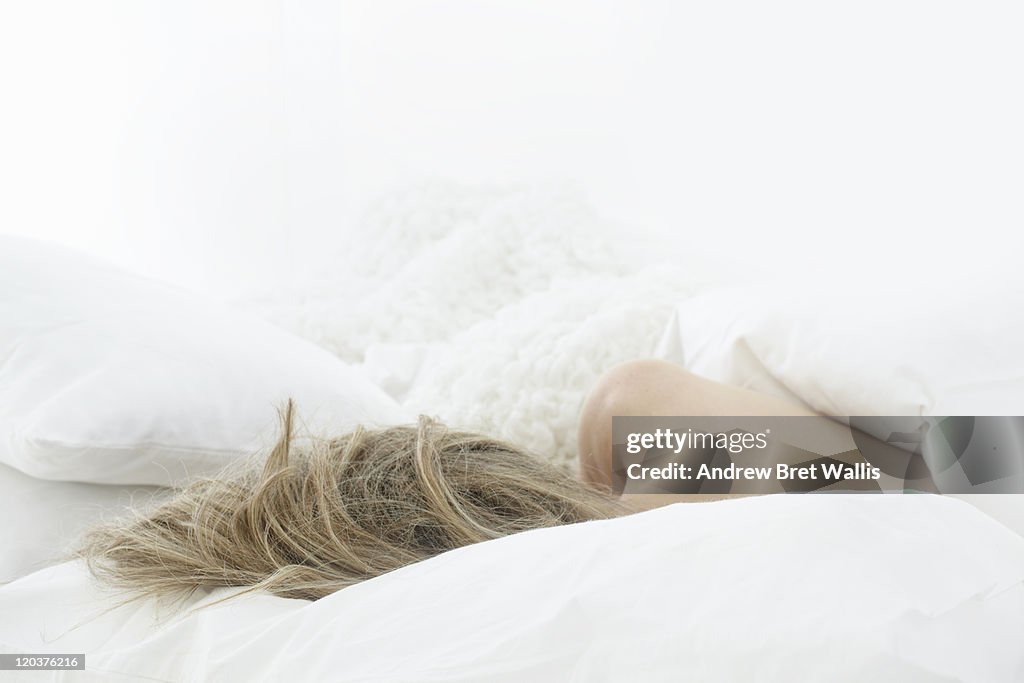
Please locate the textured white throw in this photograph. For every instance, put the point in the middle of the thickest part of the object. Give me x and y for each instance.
(492, 309)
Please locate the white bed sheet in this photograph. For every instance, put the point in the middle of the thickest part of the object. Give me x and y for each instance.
(42, 518)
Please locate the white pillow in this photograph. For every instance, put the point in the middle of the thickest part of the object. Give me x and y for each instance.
(771, 588)
(112, 378)
(860, 349)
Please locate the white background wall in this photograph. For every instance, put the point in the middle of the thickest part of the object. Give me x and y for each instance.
(215, 143)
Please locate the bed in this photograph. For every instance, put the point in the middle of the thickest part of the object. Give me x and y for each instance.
(115, 389)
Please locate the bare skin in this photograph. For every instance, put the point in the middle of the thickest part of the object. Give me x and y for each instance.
(658, 388)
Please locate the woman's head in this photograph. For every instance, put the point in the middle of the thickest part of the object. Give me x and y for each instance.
(315, 518)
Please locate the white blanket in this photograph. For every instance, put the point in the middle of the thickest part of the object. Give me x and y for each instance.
(493, 309)
(777, 588)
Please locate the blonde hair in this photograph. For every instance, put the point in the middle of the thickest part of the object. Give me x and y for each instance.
(312, 520)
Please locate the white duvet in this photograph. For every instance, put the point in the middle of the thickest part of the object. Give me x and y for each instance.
(776, 588)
